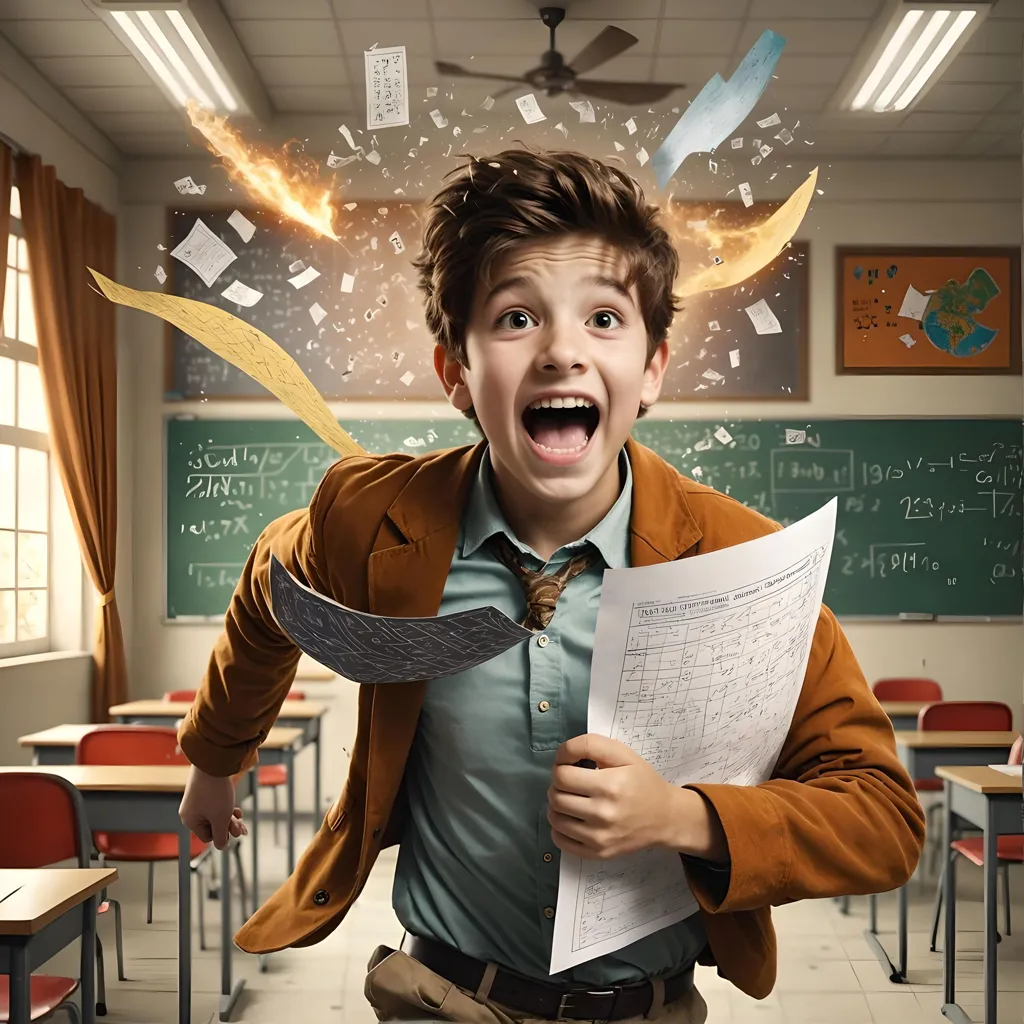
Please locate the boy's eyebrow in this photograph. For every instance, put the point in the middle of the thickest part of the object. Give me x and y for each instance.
(600, 280)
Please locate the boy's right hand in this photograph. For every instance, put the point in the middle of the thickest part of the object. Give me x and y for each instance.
(208, 809)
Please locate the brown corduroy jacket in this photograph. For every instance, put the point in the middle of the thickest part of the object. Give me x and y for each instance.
(839, 815)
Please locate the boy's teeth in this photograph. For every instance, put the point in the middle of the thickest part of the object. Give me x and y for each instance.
(571, 402)
(564, 451)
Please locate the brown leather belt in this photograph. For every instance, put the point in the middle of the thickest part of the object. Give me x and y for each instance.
(539, 998)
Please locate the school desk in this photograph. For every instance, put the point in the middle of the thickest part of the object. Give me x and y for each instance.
(903, 713)
(40, 914)
(299, 714)
(982, 798)
(56, 745)
(129, 798)
(921, 753)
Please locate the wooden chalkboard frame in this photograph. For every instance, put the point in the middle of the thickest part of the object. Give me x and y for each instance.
(1013, 253)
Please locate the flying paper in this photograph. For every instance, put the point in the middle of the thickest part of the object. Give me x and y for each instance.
(301, 280)
(245, 228)
(242, 294)
(317, 312)
(160, 274)
(914, 304)
(387, 98)
(585, 109)
(763, 319)
(347, 281)
(719, 108)
(204, 253)
(745, 194)
(243, 346)
(530, 109)
(187, 187)
(384, 649)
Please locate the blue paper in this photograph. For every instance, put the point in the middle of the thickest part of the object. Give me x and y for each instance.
(720, 108)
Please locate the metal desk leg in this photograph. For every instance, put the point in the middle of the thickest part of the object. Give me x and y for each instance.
(254, 831)
(184, 926)
(289, 760)
(228, 995)
(87, 970)
(317, 811)
(901, 903)
(949, 898)
(990, 905)
(20, 986)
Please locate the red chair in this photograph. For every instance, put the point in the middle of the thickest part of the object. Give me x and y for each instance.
(145, 745)
(47, 823)
(909, 689)
(271, 776)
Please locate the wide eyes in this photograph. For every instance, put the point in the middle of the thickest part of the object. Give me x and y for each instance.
(520, 320)
(605, 320)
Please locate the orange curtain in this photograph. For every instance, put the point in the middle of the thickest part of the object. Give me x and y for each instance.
(78, 364)
(6, 181)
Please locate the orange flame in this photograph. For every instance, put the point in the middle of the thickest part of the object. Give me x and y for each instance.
(274, 182)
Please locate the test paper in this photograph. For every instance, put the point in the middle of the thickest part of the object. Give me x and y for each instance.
(914, 304)
(734, 358)
(396, 242)
(631, 126)
(723, 435)
(387, 98)
(301, 280)
(245, 228)
(769, 121)
(763, 319)
(745, 194)
(242, 294)
(204, 253)
(530, 109)
(347, 281)
(585, 109)
(187, 187)
(160, 274)
(795, 436)
(908, 340)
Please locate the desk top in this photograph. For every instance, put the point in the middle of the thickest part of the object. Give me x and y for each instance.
(280, 737)
(980, 779)
(160, 778)
(954, 738)
(904, 707)
(32, 898)
(173, 709)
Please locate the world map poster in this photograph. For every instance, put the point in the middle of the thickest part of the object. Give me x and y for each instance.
(937, 310)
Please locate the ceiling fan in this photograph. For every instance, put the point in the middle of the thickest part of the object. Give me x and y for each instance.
(556, 76)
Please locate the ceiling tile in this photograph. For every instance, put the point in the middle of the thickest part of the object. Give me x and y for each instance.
(824, 37)
(1008, 9)
(797, 70)
(124, 121)
(275, 71)
(624, 69)
(359, 36)
(444, 10)
(700, 38)
(705, 8)
(1003, 123)
(843, 144)
(981, 143)
(974, 67)
(119, 98)
(63, 39)
(528, 36)
(963, 97)
(692, 71)
(392, 9)
(820, 8)
(65, 10)
(779, 97)
(612, 11)
(1000, 36)
(1012, 102)
(929, 121)
(921, 144)
(272, 8)
(160, 144)
(286, 98)
(314, 38)
(65, 71)
(1012, 145)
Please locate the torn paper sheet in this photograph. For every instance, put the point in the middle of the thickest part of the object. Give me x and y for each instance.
(785, 136)
(245, 228)
(619, 147)
(763, 319)
(734, 358)
(908, 340)
(769, 121)
(242, 294)
(387, 97)
(641, 155)
(294, 268)
(242, 345)
(585, 109)
(712, 375)
(737, 143)
(914, 304)
(317, 312)
(301, 280)
(745, 194)
(204, 253)
(372, 157)
(160, 274)
(439, 119)
(723, 435)
(631, 126)
(714, 325)
(343, 161)
(530, 109)
(488, 102)
(347, 281)
(347, 135)
(383, 649)
(795, 436)
(396, 242)
(719, 108)
(731, 631)
(187, 187)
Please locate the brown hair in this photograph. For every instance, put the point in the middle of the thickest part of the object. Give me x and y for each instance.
(494, 203)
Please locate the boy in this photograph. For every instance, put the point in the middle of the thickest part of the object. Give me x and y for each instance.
(548, 284)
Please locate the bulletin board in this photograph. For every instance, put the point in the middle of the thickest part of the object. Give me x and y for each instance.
(928, 310)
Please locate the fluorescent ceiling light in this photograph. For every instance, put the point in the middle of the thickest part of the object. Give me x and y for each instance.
(189, 39)
(909, 53)
(157, 66)
(186, 76)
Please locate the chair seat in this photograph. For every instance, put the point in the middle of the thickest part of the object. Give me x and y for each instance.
(928, 785)
(48, 992)
(1008, 848)
(143, 846)
(272, 774)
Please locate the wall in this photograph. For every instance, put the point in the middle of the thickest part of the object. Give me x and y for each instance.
(938, 203)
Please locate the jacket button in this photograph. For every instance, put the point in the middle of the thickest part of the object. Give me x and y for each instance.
(321, 896)
(376, 833)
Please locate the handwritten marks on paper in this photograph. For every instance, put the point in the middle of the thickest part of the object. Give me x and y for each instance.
(387, 92)
(763, 319)
(204, 253)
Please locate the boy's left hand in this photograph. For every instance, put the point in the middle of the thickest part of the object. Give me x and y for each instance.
(622, 807)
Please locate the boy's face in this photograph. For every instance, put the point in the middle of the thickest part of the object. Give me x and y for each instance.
(556, 327)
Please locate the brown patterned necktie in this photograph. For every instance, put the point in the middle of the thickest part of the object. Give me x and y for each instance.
(542, 589)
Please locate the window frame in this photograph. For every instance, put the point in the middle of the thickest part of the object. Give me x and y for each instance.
(22, 437)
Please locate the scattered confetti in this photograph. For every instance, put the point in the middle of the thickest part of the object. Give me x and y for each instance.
(317, 312)
(407, 378)
(712, 375)
(642, 156)
(765, 149)
(714, 325)
(907, 340)
(785, 136)
(488, 102)
(439, 119)
(631, 126)
(431, 91)
(561, 127)
(745, 193)
(294, 268)
(737, 143)
(373, 157)
(396, 241)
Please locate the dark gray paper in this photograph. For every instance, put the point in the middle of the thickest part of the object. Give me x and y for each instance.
(381, 649)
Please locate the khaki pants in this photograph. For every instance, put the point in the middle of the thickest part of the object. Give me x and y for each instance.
(400, 988)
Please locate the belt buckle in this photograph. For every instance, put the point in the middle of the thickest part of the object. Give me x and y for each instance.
(564, 1003)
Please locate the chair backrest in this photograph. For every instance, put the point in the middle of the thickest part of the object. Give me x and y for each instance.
(131, 745)
(907, 689)
(966, 716)
(187, 696)
(44, 821)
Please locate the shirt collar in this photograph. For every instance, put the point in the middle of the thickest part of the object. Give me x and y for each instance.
(483, 518)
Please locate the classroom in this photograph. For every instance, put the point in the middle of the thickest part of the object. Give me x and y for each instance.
(842, 181)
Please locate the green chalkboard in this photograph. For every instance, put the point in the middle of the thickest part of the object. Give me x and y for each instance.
(930, 511)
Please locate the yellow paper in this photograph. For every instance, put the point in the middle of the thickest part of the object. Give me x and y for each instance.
(243, 346)
(767, 240)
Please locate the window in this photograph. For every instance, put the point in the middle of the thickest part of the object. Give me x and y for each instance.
(24, 463)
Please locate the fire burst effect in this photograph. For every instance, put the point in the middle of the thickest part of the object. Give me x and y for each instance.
(273, 181)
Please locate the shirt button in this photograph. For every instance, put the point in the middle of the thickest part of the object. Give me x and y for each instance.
(547, 858)
(543, 640)
(543, 706)
(549, 912)
(321, 896)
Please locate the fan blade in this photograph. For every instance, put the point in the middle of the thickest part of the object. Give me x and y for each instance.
(444, 68)
(608, 43)
(625, 92)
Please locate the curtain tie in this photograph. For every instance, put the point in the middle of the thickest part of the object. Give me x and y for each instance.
(106, 598)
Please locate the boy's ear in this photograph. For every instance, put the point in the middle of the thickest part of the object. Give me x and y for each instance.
(450, 372)
(654, 375)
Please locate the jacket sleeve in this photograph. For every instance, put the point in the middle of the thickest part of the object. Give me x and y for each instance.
(839, 816)
(253, 661)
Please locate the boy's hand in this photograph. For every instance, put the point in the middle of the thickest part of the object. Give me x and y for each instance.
(622, 807)
(1016, 751)
(208, 809)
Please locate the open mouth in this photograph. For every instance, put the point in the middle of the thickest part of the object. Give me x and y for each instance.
(561, 426)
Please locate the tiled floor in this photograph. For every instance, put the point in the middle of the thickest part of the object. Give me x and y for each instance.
(826, 971)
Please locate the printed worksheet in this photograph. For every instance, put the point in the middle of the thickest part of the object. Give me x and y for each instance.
(697, 666)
